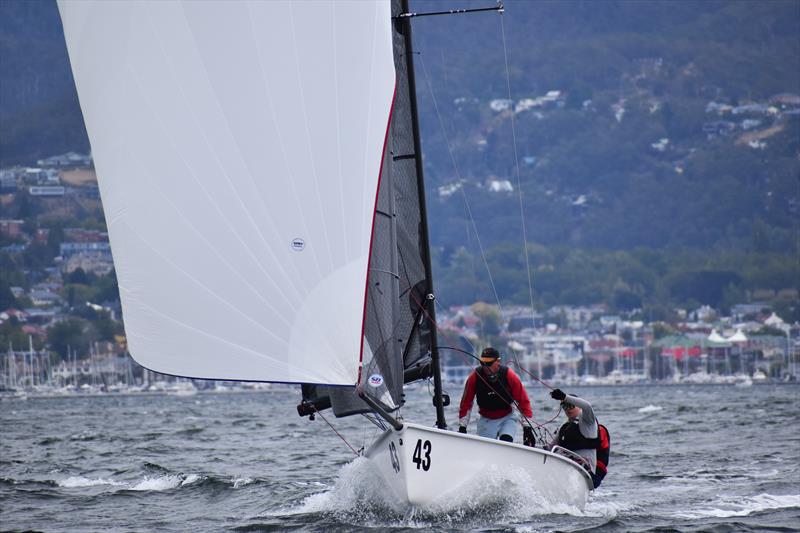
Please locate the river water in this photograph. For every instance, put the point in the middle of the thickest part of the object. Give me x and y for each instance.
(684, 458)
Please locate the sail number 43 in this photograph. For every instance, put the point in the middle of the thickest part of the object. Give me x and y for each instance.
(422, 455)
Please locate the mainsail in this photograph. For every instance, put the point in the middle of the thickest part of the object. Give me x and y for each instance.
(239, 147)
(398, 318)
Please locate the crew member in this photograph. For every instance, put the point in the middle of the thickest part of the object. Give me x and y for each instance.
(580, 433)
(497, 389)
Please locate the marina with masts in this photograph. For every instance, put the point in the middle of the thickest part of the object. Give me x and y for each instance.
(610, 352)
(32, 373)
(588, 347)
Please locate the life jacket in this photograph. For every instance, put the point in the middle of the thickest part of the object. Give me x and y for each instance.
(571, 438)
(493, 395)
(603, 448)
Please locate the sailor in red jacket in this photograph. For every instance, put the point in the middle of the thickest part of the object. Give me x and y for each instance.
(498, 389)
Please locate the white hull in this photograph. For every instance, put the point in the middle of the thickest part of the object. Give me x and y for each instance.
(424, 465)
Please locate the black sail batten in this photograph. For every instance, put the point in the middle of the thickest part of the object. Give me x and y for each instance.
(399, 332)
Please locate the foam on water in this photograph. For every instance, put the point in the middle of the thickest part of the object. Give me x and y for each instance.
(167, 482)
(354, 487)
(148, 483)
(191, 478)
(668, 472)
(360, 496)
(744, 507)
(608, 504)
(650, 408)
(241, 481)
(80, 481)
(511, 493)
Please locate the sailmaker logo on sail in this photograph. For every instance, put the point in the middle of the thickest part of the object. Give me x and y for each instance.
(375, 380)
(298, 245)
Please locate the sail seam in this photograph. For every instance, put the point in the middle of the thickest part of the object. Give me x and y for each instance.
(201, 187)
(311, 158)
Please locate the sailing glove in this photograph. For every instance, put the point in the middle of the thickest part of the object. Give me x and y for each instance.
(527, 437)
(558, 394)
(462, 429)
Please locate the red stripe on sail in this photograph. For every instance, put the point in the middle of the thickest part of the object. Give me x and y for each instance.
(372, 234)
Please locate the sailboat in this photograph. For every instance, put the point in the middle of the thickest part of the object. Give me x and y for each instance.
(261, 173)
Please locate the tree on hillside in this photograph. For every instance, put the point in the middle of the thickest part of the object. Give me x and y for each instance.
(490, 317)
(6, 297)
(70, 334)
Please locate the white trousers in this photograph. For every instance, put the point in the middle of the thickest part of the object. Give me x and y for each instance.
(500, 426)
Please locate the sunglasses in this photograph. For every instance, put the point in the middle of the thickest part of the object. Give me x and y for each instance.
(566, 406)
(488, 363)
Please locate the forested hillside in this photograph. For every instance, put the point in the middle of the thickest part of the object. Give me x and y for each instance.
(654, 146)
(39, 111)
(665, 169)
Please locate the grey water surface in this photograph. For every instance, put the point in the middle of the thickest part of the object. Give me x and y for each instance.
(684, 458)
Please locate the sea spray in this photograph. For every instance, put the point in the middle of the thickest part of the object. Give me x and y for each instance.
(727, 507)
(502, 495)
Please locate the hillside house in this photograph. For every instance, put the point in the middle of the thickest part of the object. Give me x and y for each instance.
(11, 227)
(718, 127)
(69, 159)
(500, 186)
(786, 100)
(44, 298)
(8, 180)
(44, 190)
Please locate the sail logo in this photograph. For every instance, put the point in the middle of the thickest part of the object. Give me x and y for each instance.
(298, 245)
(375, 380)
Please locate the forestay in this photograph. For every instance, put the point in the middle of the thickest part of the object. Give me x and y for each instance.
(238, 148)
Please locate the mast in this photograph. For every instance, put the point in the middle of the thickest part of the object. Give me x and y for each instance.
(429, 303)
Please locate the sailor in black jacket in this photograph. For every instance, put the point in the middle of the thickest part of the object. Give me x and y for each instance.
(579, 434)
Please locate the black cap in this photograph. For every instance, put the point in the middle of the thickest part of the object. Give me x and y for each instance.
(489, 354)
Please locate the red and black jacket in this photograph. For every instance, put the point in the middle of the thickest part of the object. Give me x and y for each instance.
(495, 396)
(603, 448)
(571, 438)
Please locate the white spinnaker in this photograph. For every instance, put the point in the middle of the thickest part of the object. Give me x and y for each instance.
(238, 149)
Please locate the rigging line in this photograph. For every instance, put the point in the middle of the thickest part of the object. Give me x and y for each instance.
(463, 193)
(498, 8)
(513, 403)
(516, 361)
(374, 419)
(458, 174)
(334, 430)
(446, 336)
(516, 168)
(533, 376)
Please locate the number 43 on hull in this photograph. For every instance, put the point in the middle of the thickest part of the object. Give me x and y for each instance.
(423, 466)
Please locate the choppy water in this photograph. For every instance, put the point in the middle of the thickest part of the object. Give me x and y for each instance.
(700, 458)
